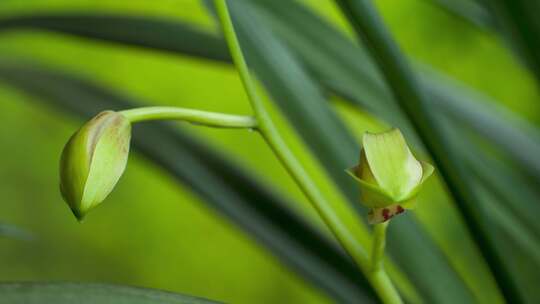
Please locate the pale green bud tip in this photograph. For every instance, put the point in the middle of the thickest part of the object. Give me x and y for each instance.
(93, 160)
(389, 176)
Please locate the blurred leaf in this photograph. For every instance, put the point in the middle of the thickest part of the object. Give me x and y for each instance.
(519, 20)
(511, 188)
(510, 209)
(510, 206)
(470, 10)
(131, 30)
(14, 232)
(64, 293)
(518, 138)
(220, 183)
(410, 97)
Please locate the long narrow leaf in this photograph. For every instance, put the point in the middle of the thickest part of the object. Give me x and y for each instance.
(469, 10)
(130, 30)
(14, 232)
(69, 293)
(519, 19)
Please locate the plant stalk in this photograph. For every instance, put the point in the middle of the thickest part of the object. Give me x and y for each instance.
(205, 118)
(379, 243)
(379, 279)
(378, 276)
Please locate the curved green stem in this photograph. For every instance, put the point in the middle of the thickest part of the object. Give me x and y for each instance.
(379, 280)
(210, 119)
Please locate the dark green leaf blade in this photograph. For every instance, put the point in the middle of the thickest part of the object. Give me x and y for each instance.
(509, 205)
(220, 183)
(129, 30)
(469, 10)
(88, 293)
(519, 20)
(14, 232)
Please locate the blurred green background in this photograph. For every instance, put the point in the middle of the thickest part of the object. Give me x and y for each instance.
(153, 232)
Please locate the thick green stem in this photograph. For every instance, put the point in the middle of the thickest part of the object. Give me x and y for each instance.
(379, 279)
(210, 119)
(384, 287)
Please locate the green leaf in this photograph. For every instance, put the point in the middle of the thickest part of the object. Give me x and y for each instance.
(87, 293)
(469, 10)
(516, 137)
(509, 205)
(171, 36)
(14, 232)
(219, 182)
(519, 20)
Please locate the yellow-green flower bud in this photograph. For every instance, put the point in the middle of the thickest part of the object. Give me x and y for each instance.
(93, 160)
(389, 176)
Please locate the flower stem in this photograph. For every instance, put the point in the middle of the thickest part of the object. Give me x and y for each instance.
(379, 279)
(377, 249)
(378, 276)
(210, 119)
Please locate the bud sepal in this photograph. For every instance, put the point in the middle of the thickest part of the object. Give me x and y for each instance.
(389, 176)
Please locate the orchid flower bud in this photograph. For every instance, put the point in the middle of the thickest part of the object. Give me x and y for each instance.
(93, 160)
(389, 176)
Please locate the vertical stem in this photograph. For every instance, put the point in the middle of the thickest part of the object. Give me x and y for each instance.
(280, 149)
(377, 274)
(377, 249)
(379, 280)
